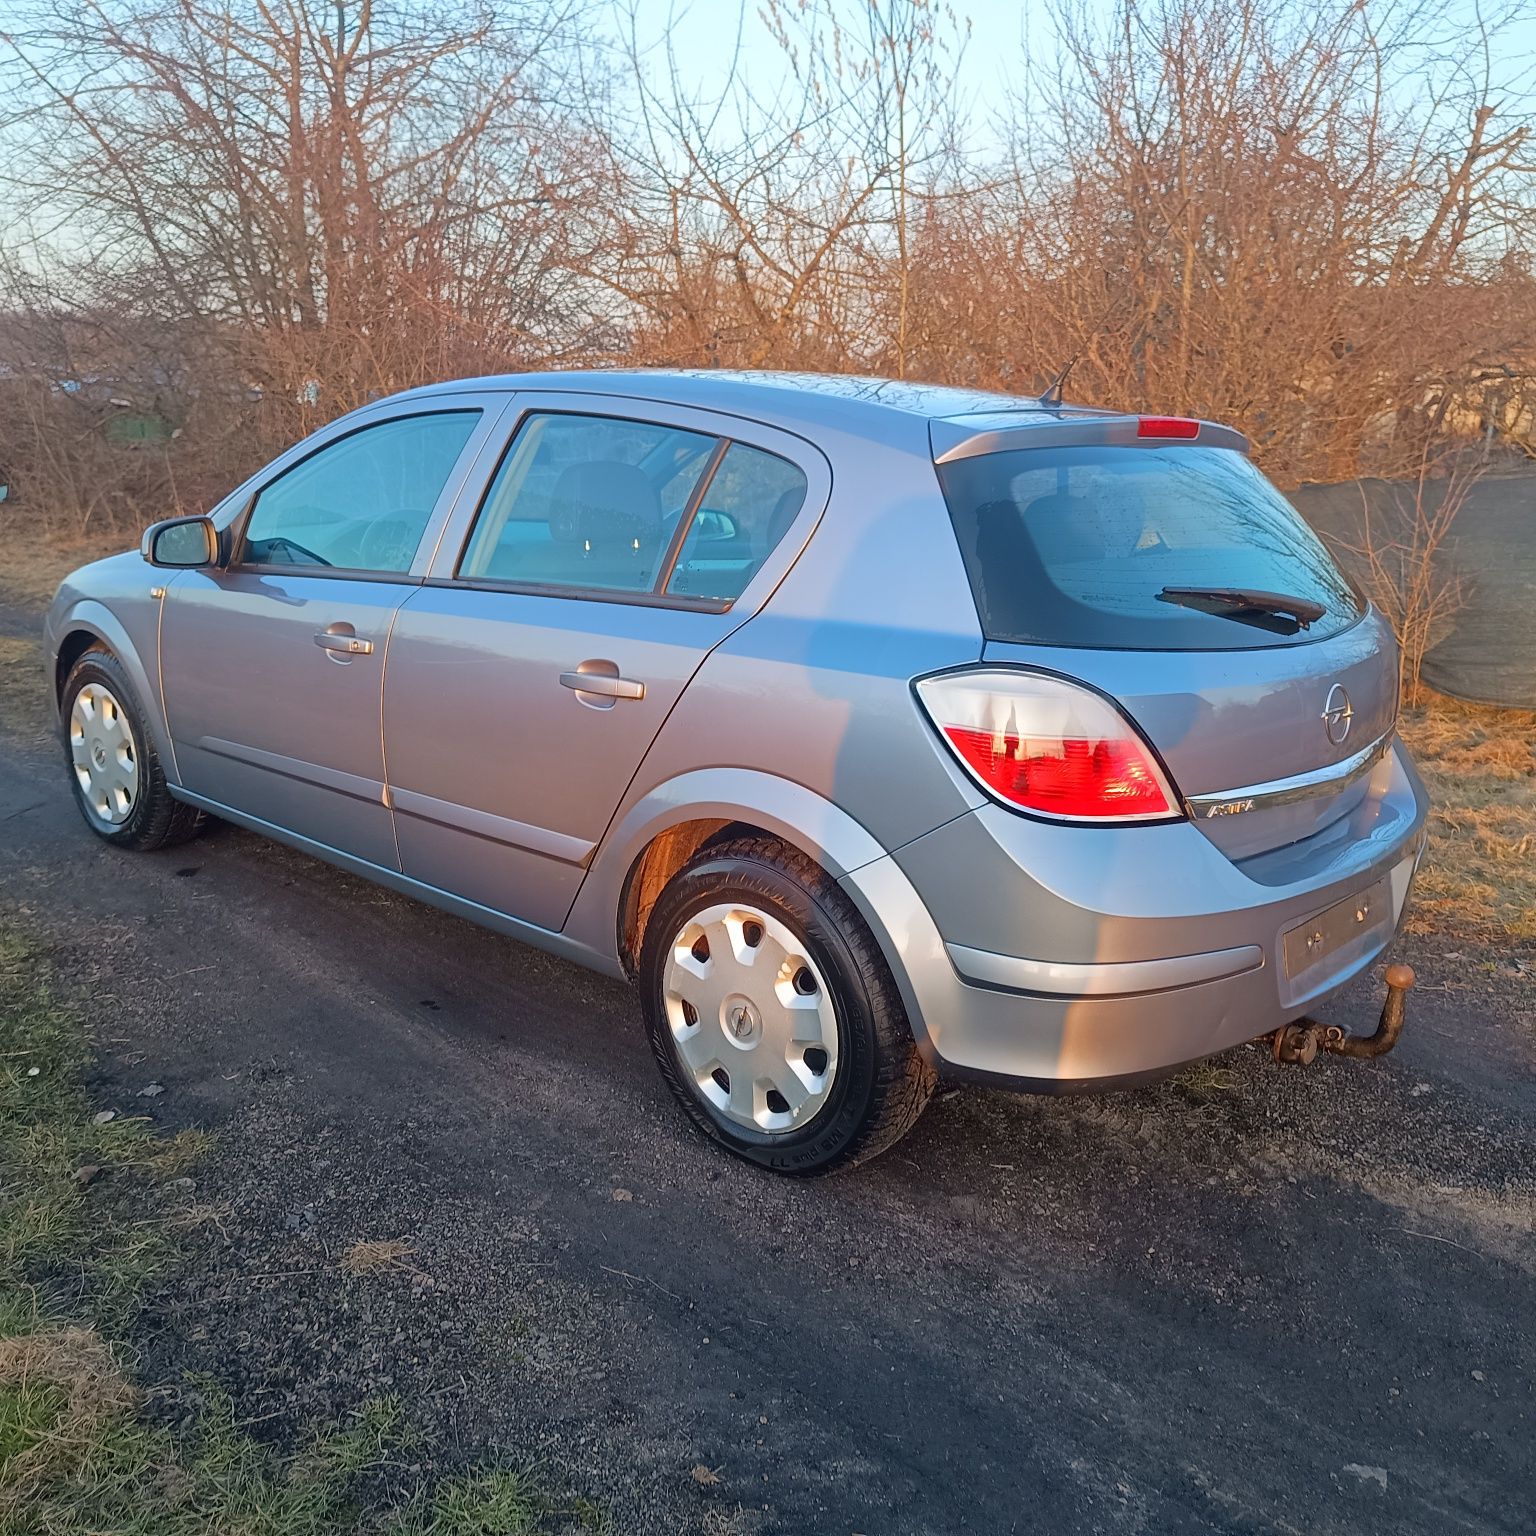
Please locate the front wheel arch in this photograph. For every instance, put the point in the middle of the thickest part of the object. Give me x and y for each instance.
(151, 816)
(88, 622)
(72, 647)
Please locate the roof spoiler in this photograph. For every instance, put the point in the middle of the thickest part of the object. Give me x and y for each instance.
(964, 437)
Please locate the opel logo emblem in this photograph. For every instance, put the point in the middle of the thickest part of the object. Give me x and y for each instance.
(1338, 714)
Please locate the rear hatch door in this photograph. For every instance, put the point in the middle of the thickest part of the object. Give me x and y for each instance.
(1171, 576)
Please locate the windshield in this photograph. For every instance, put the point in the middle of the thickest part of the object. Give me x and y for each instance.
(1089, 546)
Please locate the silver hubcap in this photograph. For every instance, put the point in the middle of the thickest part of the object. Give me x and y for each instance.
(752, 1018)
(101, 748)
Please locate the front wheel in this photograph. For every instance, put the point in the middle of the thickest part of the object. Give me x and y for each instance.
(772, 1013)
(114, 770)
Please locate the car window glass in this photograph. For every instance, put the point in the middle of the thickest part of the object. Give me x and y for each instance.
(750, 502)
(586, 502)
(1090, 546)
(362, 503)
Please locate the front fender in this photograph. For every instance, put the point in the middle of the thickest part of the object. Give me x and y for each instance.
(136, 646)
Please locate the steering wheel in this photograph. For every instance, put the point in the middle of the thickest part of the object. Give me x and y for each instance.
(296, 552)
(390, 544)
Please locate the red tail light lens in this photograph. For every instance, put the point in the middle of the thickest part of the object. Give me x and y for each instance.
(1049, 747)
(1167, 426)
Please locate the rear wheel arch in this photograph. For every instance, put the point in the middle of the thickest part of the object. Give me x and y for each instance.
(657, 834)
(663, 857)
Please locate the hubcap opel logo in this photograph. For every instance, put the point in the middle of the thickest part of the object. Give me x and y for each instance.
(742, 1020)
(1338, 714)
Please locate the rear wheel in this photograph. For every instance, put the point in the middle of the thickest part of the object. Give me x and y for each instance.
(114, 769)
(772, 1013)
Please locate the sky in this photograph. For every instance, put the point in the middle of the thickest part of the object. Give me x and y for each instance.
(702, 30)
(699, 27)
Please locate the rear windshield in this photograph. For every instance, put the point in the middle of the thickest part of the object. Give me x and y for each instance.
(1089, 545)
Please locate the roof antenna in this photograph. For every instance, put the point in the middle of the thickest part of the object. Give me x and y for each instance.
(1051, 395)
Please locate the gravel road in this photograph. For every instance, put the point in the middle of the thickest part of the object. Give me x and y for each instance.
(1246, 1300)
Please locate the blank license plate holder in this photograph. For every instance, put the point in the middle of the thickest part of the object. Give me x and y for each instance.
(1325, 933)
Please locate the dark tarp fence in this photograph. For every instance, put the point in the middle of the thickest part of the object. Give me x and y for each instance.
(1489, 653)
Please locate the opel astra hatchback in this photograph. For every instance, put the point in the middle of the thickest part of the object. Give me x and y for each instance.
(875, 731)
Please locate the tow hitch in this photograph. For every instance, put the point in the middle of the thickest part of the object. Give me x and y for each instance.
(1300, 1042)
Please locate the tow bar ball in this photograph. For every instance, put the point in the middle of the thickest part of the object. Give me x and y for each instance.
(1300, 1042)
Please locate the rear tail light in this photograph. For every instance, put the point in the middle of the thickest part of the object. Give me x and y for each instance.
(1049, 747)
(1167, 426)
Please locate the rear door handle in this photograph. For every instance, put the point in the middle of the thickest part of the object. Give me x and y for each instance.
(346, 645)
(604, 683)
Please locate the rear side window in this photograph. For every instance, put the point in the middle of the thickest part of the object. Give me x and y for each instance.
(605, 504)
(586, 502)
(1089, 546)
(751, 501)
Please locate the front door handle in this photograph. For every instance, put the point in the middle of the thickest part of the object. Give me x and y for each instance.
(345, 645)
(606, 684)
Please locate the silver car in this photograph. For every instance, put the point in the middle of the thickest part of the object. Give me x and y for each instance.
(874, 730)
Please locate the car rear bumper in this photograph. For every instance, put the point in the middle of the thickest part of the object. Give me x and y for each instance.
(1066, 958)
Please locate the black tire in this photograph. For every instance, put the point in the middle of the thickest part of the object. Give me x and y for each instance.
(881, 1084)
(157, 819)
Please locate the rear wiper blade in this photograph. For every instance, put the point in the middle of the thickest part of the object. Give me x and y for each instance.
(1242, 602)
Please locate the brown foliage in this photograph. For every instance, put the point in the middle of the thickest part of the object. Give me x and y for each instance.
(244, 217)
(1479, 764)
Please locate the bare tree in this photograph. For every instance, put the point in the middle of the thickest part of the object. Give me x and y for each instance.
(1257, 211)
(774, 230)
(1404, 562)
(360, 197)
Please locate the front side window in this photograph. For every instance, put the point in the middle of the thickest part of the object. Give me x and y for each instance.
(587, 502)
(1168, 548)
(361, 503)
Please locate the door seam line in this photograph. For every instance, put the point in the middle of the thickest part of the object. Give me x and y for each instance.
(165, 714)
(731, 632)
(388, 798)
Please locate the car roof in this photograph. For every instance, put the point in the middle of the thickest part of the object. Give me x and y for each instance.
(883, 409)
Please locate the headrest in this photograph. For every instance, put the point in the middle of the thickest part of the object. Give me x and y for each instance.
(605, 502)
(784, 513)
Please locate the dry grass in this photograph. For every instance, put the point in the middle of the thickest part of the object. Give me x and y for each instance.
(31, 566)
(368, 1255)
(59, 1388)
(1479, 762)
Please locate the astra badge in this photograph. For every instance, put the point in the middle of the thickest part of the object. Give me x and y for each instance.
(1229, 808)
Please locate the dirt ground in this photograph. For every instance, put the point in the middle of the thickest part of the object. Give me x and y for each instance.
(1249, 1299)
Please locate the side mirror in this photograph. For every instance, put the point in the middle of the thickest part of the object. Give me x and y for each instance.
(715, 527)
(182, 542)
